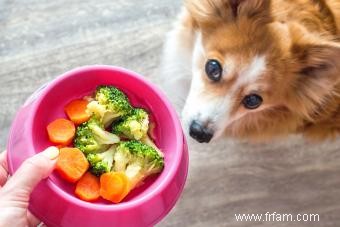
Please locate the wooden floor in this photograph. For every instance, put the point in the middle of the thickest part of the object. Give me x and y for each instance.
(40, 39)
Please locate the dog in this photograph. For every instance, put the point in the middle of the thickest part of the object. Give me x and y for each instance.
(255, 70)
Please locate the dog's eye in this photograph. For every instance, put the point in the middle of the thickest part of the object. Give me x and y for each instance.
(214, 70)
(252, 101)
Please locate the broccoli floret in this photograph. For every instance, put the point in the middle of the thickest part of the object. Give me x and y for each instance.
(91, 137)
(137, 160)
(134, 126)
(101, 162)
(109, 104)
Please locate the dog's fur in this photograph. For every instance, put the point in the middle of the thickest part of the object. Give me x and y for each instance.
(286, 50)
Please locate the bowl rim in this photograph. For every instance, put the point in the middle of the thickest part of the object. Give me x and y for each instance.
(178, 137)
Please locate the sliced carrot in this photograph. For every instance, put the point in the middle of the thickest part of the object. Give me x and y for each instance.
(87, 187)
(71, 164)
(61, 131)
(76, 111)
(114, 186)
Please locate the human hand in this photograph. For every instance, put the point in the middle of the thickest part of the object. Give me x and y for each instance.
(15, 191)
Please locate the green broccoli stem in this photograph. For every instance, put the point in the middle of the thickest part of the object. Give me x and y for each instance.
(103, 136)
(137, 160)
(148, 141)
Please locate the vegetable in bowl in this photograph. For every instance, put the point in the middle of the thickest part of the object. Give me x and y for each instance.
(132, 158)
(102, 162)
(134, 126)
(118, 160)
(109, 104)
(91, 137)
(137, 161)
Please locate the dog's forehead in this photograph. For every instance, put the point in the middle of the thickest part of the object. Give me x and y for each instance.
(234, 39)
(253, 70)
(234, 4)
(244, 72)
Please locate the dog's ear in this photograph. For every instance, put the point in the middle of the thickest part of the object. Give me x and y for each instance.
(317, 69)
(317, 60)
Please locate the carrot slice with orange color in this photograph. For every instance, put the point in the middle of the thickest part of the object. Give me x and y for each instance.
(61, 131)
(114, 186)
(71, 164)
(76, 111)
(87, 187)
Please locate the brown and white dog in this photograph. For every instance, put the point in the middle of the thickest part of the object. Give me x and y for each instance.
(256, 69)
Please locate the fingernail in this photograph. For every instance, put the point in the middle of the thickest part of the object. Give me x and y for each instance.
(51, 153)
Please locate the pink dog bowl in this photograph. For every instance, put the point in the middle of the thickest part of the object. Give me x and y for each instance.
(53, 201)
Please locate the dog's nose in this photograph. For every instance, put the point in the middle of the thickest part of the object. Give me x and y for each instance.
(200, 133)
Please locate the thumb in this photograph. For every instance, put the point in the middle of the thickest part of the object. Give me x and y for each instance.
(31, 172)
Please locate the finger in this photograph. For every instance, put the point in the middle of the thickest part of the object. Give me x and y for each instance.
(32, 220)
(3, 168)
(31, 172)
